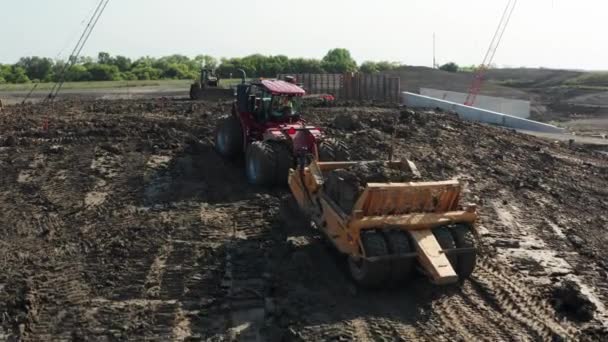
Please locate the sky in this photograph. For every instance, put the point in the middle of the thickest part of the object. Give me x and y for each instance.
(542, 33)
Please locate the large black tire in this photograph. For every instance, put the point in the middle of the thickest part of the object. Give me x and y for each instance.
(446, 241)
(284, 162)
(260, 163)
(371, 274)
(229, 137)
(464, 238)
(333, 150)
(398, 242)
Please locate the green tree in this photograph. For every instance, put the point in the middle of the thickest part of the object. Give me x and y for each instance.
(304, 66)
(178, 71)
(369, 67)
(5, 70)
(84, 60)
(129, 76)
(146, 72)
(338, 61)
(449, 67)
(17, 75)
(206, 60)
(121, 62)
(36, 68)
(104, 58)
(386, 66)
(103, 72)
(78, 73)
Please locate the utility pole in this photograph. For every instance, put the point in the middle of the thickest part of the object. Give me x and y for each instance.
(434, 60)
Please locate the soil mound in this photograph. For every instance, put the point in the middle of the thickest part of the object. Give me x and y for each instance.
(345, 185)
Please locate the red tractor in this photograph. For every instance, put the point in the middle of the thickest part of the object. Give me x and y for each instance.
(266, 124)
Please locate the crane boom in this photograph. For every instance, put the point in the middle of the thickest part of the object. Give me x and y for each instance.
(72, 60)
(489, 56)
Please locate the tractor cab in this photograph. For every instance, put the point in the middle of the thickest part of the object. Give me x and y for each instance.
(208, 78)
(270, 101)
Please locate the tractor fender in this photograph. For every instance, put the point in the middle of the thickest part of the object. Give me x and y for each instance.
(274, 135)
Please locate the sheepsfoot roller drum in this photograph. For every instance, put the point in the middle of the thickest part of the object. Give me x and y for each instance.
(389, 229)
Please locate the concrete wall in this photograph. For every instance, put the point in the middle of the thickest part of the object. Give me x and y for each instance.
(477, 114)
(517, 108)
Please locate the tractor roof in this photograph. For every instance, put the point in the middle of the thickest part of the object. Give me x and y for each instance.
(281, 87)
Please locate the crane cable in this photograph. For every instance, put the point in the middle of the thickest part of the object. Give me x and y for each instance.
(490, 53)
(78, 48)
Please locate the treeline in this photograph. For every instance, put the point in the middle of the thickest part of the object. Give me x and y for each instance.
(116, 68)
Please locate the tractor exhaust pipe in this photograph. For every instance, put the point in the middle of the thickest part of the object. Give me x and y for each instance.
(243, 75)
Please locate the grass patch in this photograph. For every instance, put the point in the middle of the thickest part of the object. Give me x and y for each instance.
(590, 79)
(98, 85)
(185, 84)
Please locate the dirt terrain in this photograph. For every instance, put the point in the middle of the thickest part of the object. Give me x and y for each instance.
(413, 78)
(120, 222)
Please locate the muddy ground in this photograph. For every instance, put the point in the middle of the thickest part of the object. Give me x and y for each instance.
(120, 222)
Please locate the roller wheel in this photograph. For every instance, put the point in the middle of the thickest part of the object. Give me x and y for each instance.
(464, 238)
(333, 150)
(229, 137)
(284, 161)
(371, 274)
(260, 163)
(399, 243)
(446, 241)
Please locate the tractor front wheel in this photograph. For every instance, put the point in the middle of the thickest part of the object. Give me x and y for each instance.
(260, 163)
(229, 137)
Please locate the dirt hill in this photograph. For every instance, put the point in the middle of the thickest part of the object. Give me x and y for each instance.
(414, 78)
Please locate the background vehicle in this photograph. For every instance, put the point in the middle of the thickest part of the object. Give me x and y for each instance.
(207, 86)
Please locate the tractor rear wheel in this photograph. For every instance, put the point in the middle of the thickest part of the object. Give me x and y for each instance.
(260, 163)
(229, 137)
(398, 243)
(464, 238)
(333, 150)
(446, 241)
(366, 273)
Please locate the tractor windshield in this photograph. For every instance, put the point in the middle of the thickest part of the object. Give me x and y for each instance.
(285, 106)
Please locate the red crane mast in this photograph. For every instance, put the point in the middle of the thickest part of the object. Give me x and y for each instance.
(489, 57)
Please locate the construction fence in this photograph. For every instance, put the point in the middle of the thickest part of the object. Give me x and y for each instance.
(352, 86)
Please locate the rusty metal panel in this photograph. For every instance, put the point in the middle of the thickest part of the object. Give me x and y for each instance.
(352, 86)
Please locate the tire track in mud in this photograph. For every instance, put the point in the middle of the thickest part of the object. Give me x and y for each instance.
(56, 304)
(539, 247)
(340, 331)
(246, 276)
(513, 300)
